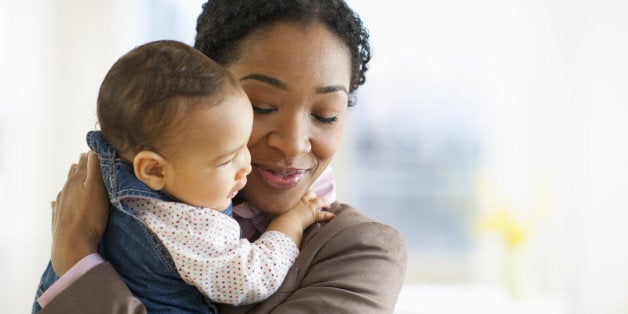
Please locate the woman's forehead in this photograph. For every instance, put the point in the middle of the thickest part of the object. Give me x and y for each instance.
(292, 52)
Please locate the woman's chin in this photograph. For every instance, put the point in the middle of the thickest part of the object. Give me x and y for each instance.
(271, 203)
(278, 207)
(269, 198)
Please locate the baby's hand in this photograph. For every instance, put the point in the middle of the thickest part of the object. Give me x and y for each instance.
(302, 215)
(308, 209)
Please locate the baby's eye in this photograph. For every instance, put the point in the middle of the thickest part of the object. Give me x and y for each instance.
(228, 162)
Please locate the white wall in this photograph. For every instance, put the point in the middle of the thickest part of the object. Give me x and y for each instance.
(54, 55)
(53, 52)
(545, 81)
(23, 169)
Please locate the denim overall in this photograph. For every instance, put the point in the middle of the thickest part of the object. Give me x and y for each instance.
(132, 248)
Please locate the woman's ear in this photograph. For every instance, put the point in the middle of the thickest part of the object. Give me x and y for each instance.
(151, 169)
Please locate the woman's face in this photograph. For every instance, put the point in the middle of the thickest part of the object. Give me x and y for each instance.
(297, 78)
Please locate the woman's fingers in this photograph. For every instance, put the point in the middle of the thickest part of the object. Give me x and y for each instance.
(93, 175)
(72, 169)
(79, 215)
(81, 169)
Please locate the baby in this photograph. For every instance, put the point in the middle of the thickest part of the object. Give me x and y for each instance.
(173, 153)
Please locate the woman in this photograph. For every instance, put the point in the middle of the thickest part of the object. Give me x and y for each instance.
(300, 63)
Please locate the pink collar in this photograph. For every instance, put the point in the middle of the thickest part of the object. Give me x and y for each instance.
(253, 221)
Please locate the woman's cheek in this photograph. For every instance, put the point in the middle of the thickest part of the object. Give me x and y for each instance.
(327, 141)
(257, 132)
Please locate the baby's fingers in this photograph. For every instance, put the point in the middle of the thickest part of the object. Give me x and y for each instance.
(309, 195)
(318, 203)
(323, 216)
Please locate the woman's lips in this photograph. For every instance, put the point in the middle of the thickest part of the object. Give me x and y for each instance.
(280, 178)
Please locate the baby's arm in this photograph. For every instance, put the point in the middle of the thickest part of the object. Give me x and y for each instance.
(302, 215)
(206, 248)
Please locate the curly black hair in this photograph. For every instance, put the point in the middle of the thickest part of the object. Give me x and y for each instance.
(224, 23)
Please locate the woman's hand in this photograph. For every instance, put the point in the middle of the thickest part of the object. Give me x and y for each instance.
(79, 215)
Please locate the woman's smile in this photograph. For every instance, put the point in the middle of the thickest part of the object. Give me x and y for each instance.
(279, 178)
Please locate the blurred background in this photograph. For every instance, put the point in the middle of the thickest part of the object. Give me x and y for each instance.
(491, 133)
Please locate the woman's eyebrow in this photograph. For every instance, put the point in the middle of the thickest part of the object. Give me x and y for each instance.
(266, 79)
(332, 89)
(283, 86)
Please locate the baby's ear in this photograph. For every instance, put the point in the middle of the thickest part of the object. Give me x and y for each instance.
(151, 169)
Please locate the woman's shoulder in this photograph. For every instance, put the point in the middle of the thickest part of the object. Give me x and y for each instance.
(353, 228)
(348, 216)
(352, 262)
(358, 255)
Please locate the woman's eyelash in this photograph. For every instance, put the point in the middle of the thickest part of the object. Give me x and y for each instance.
(264, 111)
(259, 110)
(329, 120)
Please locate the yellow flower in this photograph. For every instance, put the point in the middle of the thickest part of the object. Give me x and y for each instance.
(512, 231)
(511, 223)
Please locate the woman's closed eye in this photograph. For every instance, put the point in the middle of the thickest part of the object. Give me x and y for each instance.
(326, 120)
(263, 111)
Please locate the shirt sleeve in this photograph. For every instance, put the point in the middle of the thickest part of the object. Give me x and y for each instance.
(99, 290)
(205, 246)
(84, 265)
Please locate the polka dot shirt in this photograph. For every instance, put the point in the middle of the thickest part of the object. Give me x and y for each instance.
(207, 250)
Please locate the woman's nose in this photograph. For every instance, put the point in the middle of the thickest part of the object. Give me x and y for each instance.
(291, 137)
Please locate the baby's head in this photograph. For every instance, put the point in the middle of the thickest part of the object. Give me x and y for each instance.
(181, 119)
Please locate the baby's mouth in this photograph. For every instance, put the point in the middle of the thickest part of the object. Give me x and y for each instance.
(237, 189)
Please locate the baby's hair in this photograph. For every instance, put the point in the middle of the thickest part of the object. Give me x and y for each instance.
(150, 90)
